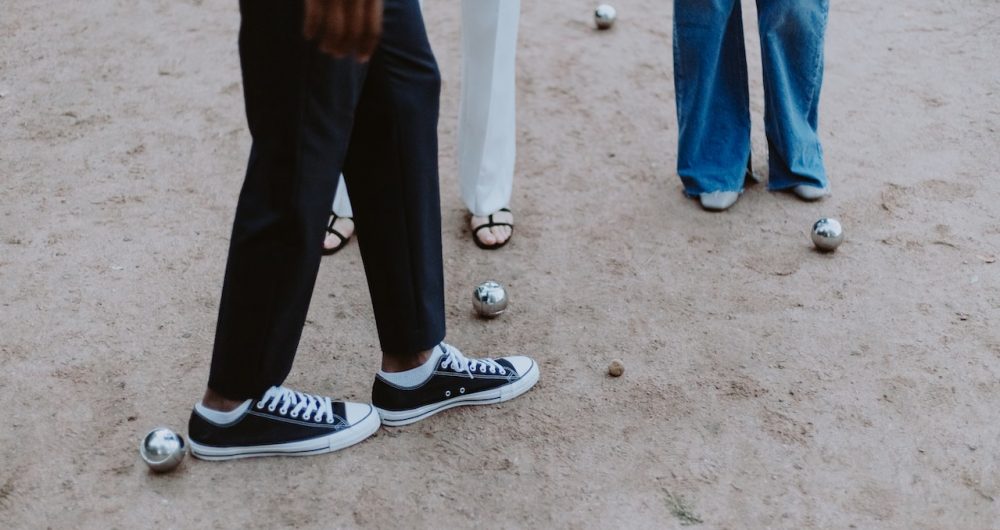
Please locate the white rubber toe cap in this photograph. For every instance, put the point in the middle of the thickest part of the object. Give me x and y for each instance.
(357, 412)
(521, 363)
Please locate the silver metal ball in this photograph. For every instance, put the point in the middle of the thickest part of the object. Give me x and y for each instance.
(489, 299)
(604, 16)
(827, 234)
(162, 449)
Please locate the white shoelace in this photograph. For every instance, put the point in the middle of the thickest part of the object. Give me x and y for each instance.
(460, 363)
(310, 407)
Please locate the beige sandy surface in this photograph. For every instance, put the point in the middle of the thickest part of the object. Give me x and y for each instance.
(766, 385)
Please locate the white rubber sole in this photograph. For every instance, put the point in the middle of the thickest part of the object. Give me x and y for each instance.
(397, 418)
(315, 446)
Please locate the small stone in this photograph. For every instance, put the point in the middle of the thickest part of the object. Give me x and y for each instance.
(616, 368)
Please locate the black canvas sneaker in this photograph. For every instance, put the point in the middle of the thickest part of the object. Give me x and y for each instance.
(282, 422)
(456, 380)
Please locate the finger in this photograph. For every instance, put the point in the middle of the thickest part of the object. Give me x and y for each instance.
(313, 19)
(371, 30)
(355, 11)
(333, 35)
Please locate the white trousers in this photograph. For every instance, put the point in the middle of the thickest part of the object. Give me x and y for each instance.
(486, 128)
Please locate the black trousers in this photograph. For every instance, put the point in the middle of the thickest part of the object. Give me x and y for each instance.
(312, 116)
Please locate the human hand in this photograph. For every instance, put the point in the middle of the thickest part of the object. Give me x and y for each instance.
(344, 27)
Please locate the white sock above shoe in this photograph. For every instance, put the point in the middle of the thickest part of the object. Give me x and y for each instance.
(219, 417)
(414, 376)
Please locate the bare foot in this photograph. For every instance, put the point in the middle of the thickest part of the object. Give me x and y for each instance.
(495, 235)
(344, 226)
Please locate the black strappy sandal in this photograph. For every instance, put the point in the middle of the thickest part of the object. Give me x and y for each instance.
(490, 224)
(331, 230)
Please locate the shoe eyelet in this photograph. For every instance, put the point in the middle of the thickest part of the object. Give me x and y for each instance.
(306, 416)
(461, 390)
(330, 420)
(447, 393)
(271, 408)
(260, 404)
(295, 415)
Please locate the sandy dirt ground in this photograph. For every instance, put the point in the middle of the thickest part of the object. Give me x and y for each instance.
(766, 385)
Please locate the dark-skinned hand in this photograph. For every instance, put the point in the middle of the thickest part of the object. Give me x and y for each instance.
(344, 27)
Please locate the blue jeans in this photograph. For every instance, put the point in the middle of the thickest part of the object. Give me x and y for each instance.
(713, 103)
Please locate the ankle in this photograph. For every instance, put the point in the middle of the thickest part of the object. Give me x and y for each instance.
(216, 401)
(392, 364)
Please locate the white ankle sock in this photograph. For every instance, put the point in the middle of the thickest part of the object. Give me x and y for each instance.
(222, 418)
(414, 376)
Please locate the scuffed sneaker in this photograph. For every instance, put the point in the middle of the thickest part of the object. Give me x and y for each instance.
(456, 380)
(281, 422)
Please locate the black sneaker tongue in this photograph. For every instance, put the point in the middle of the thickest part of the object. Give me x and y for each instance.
(339, 411)
(506, 364)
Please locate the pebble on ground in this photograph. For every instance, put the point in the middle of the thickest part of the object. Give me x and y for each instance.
(616, 368)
